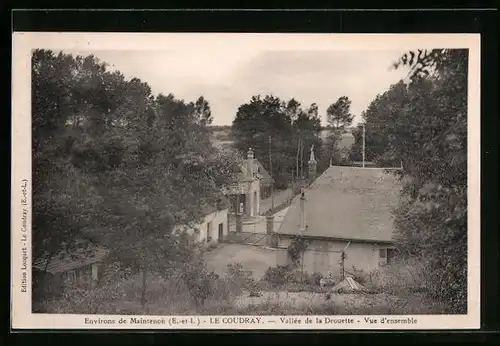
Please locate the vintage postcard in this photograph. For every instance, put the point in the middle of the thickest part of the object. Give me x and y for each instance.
(245, 181)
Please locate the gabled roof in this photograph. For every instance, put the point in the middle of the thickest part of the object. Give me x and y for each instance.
(261, 175)
(347, 203)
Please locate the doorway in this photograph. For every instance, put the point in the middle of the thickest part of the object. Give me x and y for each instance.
(221, 231)
(209, 232)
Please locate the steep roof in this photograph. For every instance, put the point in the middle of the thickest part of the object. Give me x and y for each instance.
(347, 203)
(261, 175)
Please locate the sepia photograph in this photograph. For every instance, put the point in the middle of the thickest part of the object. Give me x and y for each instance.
(244, 176)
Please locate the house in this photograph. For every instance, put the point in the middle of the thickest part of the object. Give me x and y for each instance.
(83, 266)
(244, 196)
(239, 192)
(214, 226)
(347, 210)
(266, 180)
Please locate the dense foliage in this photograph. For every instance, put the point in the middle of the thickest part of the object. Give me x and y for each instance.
(283, 128)
(423, 125)
(116, 164)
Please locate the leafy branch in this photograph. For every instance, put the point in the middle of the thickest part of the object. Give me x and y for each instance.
(296, 249)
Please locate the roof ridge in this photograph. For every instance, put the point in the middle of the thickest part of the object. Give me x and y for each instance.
(341, 204)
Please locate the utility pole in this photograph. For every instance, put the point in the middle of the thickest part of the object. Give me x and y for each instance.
(364, 135)
(271, 172)
(301, 160)
(296, 178)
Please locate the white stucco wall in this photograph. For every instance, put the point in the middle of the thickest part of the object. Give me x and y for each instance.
(251, 190)
(323, 256)
(200, 230)
(253, 198)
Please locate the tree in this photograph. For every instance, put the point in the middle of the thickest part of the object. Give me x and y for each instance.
(424, 124)
(380, 120)
(287, 124)
(307, 128)
(356, 152)
(67, 92)
(338, 114)
(202, 111)
(339, 118)
(116, 165)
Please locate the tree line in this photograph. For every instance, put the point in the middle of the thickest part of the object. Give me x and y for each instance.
(282, 132)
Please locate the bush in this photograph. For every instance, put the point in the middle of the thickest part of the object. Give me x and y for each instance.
(402, 278)
(303, 287)
(90, 299)
(432, 226)
(164, 295)
(278, 275)
(359, 275)
(283, 277)
(296, 249)
(183, 290)
(314, 278)
(200, 282)
(240, 278)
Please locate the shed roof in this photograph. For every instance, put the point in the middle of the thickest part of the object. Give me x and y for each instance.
(65, 261)
(349, 203)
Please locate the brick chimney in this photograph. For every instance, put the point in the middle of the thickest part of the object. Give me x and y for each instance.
(312, 166)
(303, 221)
(250, 163)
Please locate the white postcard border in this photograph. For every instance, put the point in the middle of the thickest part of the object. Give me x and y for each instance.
(24, 42)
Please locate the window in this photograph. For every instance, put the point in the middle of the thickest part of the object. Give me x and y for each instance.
(221, 231)
(383, 253)
(391, 253)
(71, 277)
(387, 255)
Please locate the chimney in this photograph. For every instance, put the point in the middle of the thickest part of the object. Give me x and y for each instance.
(312, 166)
(303, 222)
(250, 163)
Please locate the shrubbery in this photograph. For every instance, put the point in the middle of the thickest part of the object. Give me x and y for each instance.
(187, 289)
(278, 275)
(433, 227)
(292, 280)
(422, 125)
(241, 277)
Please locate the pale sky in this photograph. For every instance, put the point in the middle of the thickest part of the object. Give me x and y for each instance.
(229, 80)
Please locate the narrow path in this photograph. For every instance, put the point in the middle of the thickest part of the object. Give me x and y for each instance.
(280, 196)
